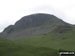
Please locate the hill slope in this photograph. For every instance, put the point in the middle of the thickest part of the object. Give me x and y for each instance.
(53, 40)
(9, 48)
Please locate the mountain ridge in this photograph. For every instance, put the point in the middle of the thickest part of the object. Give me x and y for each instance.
(33, 24)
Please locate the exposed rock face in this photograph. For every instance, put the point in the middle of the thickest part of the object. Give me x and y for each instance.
(33, 24)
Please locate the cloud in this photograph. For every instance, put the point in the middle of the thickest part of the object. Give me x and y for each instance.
(13, 10)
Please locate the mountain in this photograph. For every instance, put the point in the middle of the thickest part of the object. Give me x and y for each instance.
(34, 24)
(37, 35)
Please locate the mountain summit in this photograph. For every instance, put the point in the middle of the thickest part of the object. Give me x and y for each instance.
(39, 23)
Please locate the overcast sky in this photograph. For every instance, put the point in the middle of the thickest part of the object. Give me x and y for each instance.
(13, 10)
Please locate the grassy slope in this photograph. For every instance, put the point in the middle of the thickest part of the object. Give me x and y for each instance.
(57, 41)
(8, 48)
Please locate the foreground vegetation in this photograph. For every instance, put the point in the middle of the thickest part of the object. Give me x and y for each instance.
(8, 48)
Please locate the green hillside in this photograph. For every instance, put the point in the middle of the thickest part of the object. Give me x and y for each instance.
(9, 48)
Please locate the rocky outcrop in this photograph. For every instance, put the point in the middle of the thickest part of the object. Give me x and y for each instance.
(33, 24)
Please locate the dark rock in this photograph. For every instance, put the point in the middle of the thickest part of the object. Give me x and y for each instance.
(35, 24)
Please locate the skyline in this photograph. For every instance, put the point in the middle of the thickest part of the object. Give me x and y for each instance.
(13, 10)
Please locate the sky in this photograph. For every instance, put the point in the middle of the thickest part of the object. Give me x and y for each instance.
(13, 10)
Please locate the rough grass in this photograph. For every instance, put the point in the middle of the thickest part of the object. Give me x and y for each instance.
(9, 48)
